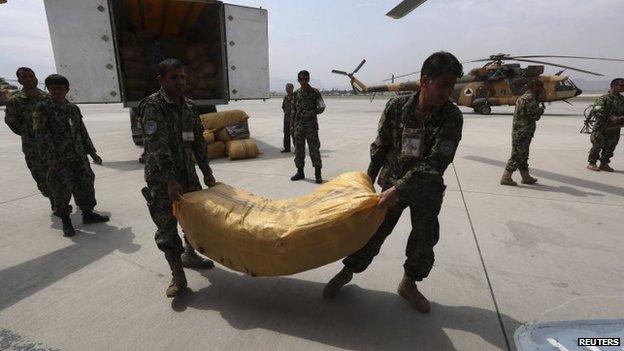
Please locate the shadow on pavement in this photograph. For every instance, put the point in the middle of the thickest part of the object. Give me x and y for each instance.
(130, 165)
(494, 113)
(91, 243)
(583, 183)
(358, 319)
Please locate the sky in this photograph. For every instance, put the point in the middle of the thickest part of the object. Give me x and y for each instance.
(321, 35)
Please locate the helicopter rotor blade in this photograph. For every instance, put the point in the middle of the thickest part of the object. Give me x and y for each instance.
(359, 66)
(561, 66)
(401, 76)
(340, 72)
(567, 56)
(405, 7)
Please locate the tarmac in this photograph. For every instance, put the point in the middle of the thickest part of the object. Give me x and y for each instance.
(507, 256)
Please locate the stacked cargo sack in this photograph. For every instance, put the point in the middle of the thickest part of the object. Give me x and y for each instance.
(231, 129)
(149, 32)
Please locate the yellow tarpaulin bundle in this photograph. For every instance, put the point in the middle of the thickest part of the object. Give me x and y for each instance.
(264, 237)
(219, 120)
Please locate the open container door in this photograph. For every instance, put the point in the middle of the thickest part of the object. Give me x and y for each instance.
(83, 46)
(247, 42)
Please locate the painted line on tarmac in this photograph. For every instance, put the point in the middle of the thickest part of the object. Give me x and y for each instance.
(487, 275)
(541, 198)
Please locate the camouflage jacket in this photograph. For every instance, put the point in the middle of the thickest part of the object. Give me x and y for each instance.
(308, 103)
(173, 133)
(287, 105)
(412, 176)
(61, 133)
(527, 112)
(606, 106)
(18, 116)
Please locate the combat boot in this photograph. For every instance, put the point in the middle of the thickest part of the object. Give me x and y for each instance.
(526, 178)
(332, 288)
(68, 227)
(593, 167)
(605, 167)
(178, 280)
(506, 179)
(90, 217)
(317, 175)
(298, 176)
(190, 259)
(408, 290)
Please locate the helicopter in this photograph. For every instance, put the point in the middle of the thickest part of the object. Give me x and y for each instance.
(496, 83)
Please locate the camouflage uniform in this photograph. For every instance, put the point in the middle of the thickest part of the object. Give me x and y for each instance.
(173, 133)
(19, 118)
(63, 137)
(527, 112)
(287, 107)
(308, 103)
(418, 181)
(602, 139)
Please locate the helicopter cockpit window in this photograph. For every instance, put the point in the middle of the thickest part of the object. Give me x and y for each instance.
(565, 85)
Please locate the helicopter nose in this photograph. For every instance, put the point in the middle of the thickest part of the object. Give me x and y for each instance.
(578, 92)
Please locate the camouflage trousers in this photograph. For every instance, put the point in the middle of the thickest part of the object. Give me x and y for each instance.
(167, 238)
(288, 132)
(423, 237)
(309, 134)
(520, 144)
(39, 171)
(603, 146)
(75, 179)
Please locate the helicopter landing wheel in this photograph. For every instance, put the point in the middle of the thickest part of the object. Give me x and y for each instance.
(484, 109)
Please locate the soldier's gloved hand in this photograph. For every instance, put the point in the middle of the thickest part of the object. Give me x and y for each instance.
(209, 180)
(174, 190)
(388, 198)
(54, 166)
(96, 159)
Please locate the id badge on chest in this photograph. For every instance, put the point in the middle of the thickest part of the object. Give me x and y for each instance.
(188, 136)
(413, 142)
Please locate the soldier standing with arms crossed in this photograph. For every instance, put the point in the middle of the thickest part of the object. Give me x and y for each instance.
(64, 144)
(287, 107)
(19, 118)
(416, 141)
(308, 104)
(528, 111)
(609, 111)
(173, 133)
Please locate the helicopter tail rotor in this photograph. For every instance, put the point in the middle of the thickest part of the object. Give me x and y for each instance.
(356, 84)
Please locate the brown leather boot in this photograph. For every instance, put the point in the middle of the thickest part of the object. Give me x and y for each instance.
(408, 290)
(526, 177)
(506, 179)
(593, 167)
(337, 282)
(178, 280)
(605, 167)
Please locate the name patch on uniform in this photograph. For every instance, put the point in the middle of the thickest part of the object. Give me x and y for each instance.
(447, 147)
(188, 136)
(150, 127)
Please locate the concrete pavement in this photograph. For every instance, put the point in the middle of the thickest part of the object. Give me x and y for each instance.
(506, 256)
